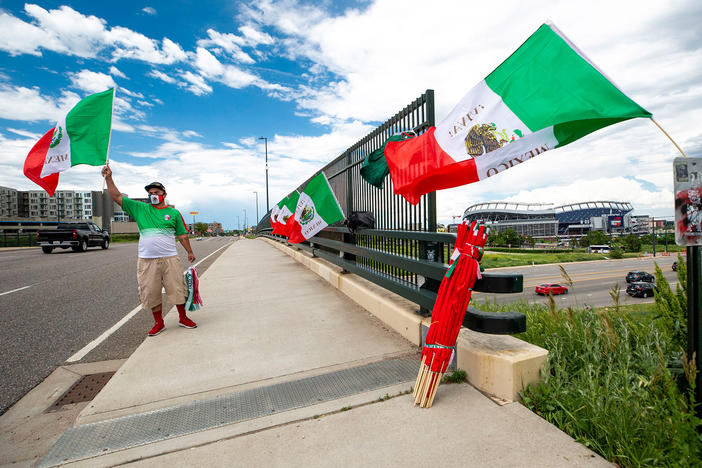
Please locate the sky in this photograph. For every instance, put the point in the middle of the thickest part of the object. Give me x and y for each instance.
(199, 82)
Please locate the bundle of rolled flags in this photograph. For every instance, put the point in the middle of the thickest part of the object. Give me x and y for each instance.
(193, 301)
(449, 309)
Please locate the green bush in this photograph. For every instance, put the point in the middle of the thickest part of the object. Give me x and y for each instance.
(616, 253)
(608, 384)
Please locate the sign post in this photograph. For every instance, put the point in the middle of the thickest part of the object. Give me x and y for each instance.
(687, 175)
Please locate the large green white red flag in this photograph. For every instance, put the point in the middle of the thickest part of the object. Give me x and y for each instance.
(316, 209)
(545, 95)
(82, 136)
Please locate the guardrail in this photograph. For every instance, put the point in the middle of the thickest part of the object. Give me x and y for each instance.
(409, 276)
(15, 239)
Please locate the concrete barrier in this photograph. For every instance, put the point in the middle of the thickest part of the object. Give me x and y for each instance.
(497, 365)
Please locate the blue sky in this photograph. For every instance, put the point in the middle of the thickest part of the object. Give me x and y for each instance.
(199, 81)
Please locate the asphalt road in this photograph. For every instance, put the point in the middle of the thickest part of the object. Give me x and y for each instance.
(51, 306)
(591, 281)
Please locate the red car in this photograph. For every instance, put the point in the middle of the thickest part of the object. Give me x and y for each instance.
(545, 289)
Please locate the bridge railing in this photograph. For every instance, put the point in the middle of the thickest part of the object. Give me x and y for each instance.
(403, 253)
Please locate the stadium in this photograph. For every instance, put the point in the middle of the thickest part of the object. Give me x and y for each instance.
(546, 221)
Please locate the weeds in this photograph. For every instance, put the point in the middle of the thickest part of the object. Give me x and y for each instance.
(456, 376)
(608, 381)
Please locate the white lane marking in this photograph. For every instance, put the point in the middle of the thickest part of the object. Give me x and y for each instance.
(15, 290)
(94, 344)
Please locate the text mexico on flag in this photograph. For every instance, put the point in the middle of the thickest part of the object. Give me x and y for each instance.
(316, 209)
(81, 137)
(545, 95)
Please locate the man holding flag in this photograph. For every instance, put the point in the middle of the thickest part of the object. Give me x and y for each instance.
(158, 265)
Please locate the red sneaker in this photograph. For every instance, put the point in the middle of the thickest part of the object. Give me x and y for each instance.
(158, 328)
(185, 322)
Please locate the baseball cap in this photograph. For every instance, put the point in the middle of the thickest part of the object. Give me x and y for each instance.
(157, 185)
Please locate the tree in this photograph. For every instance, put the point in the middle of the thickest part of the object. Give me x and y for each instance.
(512, 238)
(597, 238)
(200, 228)
(631, 243)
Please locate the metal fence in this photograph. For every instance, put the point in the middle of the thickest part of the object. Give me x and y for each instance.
(15, 239)
(403, 253)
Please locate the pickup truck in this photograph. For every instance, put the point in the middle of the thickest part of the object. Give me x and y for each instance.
(77, 236)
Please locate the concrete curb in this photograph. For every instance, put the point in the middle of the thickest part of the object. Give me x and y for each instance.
(498, 365)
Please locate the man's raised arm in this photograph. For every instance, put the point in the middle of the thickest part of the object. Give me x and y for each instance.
(115, 194)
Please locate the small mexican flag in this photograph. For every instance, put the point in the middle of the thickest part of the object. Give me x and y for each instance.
(316, 209)
(287, 212)
(545, 95)
(81, 137)
(275, 224)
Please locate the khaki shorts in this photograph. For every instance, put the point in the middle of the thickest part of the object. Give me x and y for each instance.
(155, 273)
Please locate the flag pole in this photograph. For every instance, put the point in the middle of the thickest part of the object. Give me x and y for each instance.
(109, 139)
(112, 115)
(669, 137)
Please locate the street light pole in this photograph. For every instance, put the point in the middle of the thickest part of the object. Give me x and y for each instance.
(256, 193)
(244, 219)
(266, 144)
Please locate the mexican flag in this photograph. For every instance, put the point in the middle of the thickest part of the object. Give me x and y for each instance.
(545, 95)
(316, 209)
(80, 137)
(287, 212)
(274, 215)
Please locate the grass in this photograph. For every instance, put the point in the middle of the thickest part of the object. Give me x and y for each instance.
(507, 260)
(609, 382)
(456, 376)
(118, 238)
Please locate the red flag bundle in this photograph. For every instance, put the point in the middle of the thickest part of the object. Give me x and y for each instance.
(449, 309)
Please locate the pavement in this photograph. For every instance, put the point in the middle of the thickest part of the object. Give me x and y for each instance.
(282, 370)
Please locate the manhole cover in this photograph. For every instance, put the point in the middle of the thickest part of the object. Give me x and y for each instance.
(83, 390)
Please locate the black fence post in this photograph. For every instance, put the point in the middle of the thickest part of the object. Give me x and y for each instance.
(694, 318)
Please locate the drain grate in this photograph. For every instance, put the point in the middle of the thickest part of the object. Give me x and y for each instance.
(83, 390)
(99, 438)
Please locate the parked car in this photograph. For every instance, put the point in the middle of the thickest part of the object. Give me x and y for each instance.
(77, 236)
(548, 288)
(641, 289)
(634, 276)
(675, 266)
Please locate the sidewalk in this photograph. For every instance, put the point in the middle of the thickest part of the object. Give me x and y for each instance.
(284, 370)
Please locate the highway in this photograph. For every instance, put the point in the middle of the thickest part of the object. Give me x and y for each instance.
(54, 305)
(591, 281)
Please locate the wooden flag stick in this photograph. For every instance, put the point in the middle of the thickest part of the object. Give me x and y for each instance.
(669, 137)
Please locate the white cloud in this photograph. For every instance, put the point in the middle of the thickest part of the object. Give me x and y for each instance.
(92, 82)
(114, 71)
(134, 45)
(230, 43)
(149, 10)
(207, 63)
(162, 76)
(198, 86)
(67, 31)
(254, 36)
(28, 104)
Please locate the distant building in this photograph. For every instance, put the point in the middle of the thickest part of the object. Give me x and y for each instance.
(544, 220)
(30, 210)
